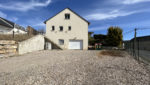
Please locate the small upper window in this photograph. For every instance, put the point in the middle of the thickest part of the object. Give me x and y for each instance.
(53, 28)
(69, 28)
(67, 16)
(61, 28)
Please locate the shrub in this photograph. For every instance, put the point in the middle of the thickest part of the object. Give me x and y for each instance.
(114, 53)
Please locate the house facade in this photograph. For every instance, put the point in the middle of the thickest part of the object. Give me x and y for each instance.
(31, 30)
(8, 27)
(68, 30)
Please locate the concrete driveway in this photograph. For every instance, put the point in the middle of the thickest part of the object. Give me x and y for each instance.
(72, 68)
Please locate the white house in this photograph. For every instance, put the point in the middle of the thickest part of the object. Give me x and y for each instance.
(8, 27)
(68, 30)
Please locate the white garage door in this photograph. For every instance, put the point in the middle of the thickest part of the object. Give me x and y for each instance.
(75, 44)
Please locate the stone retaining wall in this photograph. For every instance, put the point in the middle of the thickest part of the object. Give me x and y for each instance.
(8, 46)
(35, 43)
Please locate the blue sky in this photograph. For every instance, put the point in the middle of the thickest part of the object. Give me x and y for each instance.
(127, 14)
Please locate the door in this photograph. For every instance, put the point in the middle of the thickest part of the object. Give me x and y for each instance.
(76, 44)
(48, 46)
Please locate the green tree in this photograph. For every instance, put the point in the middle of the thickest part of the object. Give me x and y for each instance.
(91, 39)
(114, 36)
(100, 38)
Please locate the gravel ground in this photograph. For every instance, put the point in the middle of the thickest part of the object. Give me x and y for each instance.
(72, 68)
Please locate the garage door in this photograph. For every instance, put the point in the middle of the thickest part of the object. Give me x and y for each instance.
(75, 44)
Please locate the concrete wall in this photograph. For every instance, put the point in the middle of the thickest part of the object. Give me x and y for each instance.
(79, 29)
(35, 43)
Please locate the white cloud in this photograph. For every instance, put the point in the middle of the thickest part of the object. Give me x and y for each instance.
(24, 6)
(134, 1)
(13, 19)
(99, 28)
(120, 9)
(39, 24)
(110, 15)
(3, 15)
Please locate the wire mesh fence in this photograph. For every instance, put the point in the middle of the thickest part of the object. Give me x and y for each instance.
(139, 47)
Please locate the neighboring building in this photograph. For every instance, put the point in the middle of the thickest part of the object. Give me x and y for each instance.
(68, 30)
(31, 31)
(142, 43)
(8, 27)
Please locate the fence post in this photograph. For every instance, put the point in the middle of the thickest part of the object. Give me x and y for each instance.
(138, 51)
(132, 48)
(135, 44)
(13, 34)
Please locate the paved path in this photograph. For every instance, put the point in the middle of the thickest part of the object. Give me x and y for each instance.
(72, 68)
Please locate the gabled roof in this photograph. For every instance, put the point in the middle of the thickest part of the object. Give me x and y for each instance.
(71, 11)
(10, 24)
(6, 23)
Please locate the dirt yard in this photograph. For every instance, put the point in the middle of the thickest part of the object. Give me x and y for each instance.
(72, 68)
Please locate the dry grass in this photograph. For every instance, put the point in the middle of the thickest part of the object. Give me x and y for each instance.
(17, 37)
(114, 53)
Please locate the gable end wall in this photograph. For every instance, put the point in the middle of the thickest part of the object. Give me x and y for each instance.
(79, 29)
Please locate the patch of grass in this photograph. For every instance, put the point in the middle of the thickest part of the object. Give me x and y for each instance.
(17, 37)
(114, 53)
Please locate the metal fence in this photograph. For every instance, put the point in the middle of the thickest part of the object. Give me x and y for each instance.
(139, 47)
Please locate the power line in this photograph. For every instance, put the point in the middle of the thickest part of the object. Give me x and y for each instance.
(134, 30)
(128, 32)
(142, 28)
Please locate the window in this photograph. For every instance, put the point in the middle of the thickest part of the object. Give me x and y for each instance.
(67, 16)
(53, 28)
(61, 28)
(61, 42)
(69, 28)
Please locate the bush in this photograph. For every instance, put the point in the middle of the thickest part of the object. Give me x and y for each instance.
(114, 53)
